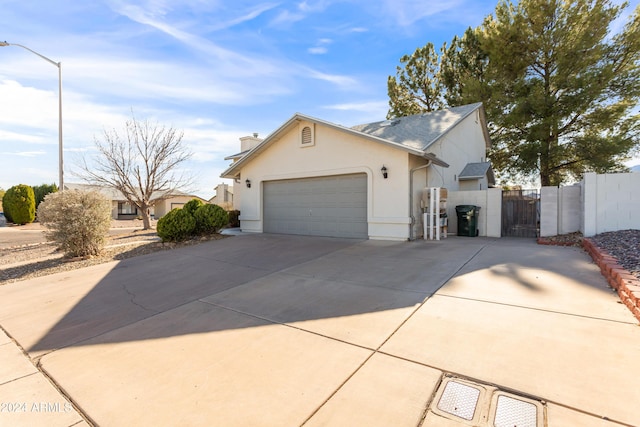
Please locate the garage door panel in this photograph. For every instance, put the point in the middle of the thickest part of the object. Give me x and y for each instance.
(328, 206)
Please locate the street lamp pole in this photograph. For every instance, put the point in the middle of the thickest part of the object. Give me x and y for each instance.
(59, 65)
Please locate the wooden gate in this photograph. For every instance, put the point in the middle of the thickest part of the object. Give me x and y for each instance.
(520, 213)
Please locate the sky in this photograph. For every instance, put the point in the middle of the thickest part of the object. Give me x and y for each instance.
(217, 70)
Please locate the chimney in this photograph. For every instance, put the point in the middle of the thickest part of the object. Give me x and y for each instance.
(248, 142)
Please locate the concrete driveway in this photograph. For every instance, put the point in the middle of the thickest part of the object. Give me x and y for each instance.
(269, 330)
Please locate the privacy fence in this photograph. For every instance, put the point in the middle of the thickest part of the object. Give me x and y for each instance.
(600, 203)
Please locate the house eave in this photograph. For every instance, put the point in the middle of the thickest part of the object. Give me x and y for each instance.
(234, 170)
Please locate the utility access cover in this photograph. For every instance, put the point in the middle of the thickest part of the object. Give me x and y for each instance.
(459, 399)
(470, 403)
(512, 412)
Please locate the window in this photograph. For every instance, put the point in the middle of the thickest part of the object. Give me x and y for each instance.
(126, 208)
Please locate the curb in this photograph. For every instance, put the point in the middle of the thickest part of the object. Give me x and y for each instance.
(543, 241)
(625, 283)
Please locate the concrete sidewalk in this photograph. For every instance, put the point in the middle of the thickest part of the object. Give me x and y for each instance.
(288, 330)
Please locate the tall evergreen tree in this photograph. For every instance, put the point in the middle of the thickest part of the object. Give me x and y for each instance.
(558, 81)
(417, 87)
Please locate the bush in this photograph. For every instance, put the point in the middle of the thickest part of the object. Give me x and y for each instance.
(192, 206)
(77, 220)
(234, 218)
(176, 226)
(19, 204)
(39, 191)
(210, 219)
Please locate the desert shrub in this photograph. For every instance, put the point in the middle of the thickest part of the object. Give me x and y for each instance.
(77, 220)
(192, 206)
(210, 219)
(176, 226)
(39, 191)
(1, 197)
(19, 204)
(234, 218)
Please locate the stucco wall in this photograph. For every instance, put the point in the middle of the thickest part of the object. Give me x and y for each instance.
(162, 207)
(463, 144)
(333, 153)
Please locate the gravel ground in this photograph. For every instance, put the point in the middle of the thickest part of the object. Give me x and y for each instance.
(624, 246)
(26, 262)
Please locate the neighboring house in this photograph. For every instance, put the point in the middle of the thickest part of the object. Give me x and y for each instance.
(177, 200)
(313, 177)
(223, 197)
(122, 209)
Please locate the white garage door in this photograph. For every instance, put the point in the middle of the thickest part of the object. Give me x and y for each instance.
(333, 206)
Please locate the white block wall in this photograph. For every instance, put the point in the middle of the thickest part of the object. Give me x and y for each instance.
(560, 210)
(490, 217)
(601, 203)
(610, 202)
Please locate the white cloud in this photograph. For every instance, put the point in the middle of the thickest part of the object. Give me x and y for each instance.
(247, 16)
(353, 113)
(24, 153)
(408, 12)
(318, 50)
(28, 107)
(286, 18)
(321, 47)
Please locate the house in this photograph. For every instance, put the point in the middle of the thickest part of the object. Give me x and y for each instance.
(223, 197)
(313, 177)
(122, 209)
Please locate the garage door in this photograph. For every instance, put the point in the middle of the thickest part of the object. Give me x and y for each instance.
(334, 206)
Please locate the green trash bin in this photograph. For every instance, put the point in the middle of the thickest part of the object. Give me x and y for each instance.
(467, 220)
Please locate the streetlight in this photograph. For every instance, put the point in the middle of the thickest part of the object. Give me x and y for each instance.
(59, 65)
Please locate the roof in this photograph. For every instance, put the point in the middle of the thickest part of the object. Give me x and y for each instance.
(237, 155)
(108, 192)
(420, 131)
(477, 171)
(413, 134)
(113, 194)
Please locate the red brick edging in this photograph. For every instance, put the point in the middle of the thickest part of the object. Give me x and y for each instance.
(627, 285)
(543, 241)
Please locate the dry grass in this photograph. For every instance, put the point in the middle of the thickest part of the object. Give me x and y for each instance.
(27, 262)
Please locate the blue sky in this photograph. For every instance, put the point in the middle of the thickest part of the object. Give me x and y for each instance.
(218, 70)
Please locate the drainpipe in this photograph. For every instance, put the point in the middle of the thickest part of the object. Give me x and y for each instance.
(413, 218)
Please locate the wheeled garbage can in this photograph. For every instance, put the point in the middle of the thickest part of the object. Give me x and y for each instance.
(467, 220)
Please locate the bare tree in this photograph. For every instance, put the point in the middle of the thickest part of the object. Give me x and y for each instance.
(143, 165)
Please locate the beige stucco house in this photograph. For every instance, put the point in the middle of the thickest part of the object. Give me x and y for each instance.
(122, 209)
(223, 197)
(313, 177)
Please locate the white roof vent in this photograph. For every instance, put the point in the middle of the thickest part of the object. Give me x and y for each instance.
(388, 123)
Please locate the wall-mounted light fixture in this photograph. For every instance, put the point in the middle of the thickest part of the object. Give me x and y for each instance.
(248, 182)
(384, 172)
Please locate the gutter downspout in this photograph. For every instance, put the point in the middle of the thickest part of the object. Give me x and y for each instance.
(413, 218)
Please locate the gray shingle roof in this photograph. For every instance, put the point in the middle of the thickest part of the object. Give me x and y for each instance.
(421, 130)
(477, 171)
(113, 194)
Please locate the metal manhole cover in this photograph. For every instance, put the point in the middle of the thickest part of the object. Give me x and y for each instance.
(459, 400)
(512, 412)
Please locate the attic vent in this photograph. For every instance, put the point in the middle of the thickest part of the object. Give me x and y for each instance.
(388, 123)
(306, 135)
